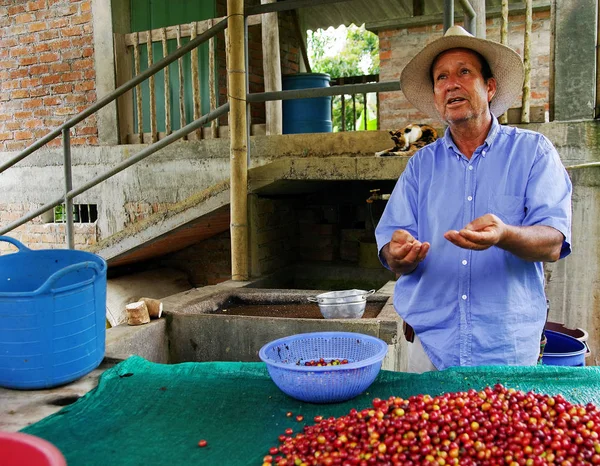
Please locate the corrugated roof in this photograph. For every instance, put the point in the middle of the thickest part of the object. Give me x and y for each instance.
(374, 11)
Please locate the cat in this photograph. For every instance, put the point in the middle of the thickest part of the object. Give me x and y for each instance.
(409, 139)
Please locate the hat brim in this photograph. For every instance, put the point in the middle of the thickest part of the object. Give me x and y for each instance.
(506, 65)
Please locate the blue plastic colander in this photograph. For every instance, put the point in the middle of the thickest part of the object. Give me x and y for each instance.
(286, 356)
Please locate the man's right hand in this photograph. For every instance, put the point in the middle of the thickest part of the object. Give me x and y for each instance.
(403, 253)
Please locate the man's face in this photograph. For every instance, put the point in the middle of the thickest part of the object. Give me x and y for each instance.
(460, 92)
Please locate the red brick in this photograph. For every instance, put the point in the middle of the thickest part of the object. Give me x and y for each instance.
(73, 76)
(84, 64)
(26, 61)
(39, 92)
(36, 5)
(22, 115)
(51, 79)
(20, 135)
(49, 57)
(37, 27)
(62, 88)
(19, 94)
(72, 31)
(30, 124)
(41, 47)
(82, 18)
(15, 10)
(20, 51)
(18, 73)
(60, 67)
(52, 101)
(33, 103)
(49, 34)
(71, 54)
(24, 18)
(6, 136)
(58, 23)
(38, 69)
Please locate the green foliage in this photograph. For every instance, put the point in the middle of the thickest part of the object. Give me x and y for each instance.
(351, 51)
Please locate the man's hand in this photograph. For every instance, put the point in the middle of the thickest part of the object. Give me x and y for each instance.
(480, 234)
(403, 253)
(536, 243)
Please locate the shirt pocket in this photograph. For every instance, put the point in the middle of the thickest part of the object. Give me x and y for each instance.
(510, 209)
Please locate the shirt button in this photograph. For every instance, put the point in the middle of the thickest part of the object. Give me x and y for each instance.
(470, 167)
(464, 262)
(464, 297)
(470, 198)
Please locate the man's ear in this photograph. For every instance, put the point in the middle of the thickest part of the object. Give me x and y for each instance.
(491, 88)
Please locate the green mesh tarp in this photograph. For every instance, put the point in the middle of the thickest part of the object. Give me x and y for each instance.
(144, 413)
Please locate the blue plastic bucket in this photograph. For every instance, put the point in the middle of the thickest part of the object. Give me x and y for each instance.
(306, 115)
(563, 350)
(52, 316)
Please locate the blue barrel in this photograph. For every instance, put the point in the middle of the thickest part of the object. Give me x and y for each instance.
(52, 316)
(306, 115)
(563, 350)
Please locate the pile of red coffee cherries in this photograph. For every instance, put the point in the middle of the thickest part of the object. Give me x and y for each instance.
(494, 426)
(323, 362)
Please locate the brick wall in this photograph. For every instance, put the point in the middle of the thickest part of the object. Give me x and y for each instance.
(397, 47)
(38, 234)
(46, 70)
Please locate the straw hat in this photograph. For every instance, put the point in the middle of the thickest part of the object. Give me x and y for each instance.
(505, 63)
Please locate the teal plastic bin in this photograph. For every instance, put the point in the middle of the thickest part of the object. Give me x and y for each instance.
(52, 316)
(306, 115)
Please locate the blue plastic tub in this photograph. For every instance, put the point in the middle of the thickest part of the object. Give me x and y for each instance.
(306, 115)
(563, 350)
(52, 316)
(286, 356)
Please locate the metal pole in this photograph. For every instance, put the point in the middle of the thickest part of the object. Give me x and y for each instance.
(470, 17)
(68, 186)
(448, 14)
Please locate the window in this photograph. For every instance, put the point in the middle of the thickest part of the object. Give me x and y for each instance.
(82, 213)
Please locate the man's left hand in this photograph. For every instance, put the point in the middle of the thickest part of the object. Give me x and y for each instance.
(480, 234)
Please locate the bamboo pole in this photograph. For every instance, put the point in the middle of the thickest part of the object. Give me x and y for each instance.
(182, 118)
(504, 40)
(195, 81)
(153, 132)
(236, 74)
(527, 62)
(138, 89)
(211, 82)
(165, 50)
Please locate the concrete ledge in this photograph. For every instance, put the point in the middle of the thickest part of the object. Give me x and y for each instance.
(148, 341)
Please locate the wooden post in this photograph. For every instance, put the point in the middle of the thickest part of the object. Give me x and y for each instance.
(272, 69)
(125, 102)
(211, 82)
(153, 132)
(165, 49)
(182, 119)
(236, 77)
(195, 80)
(504, 40)
(527, 62)
(138, 88)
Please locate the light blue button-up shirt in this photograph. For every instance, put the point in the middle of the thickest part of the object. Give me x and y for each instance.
(470, 307)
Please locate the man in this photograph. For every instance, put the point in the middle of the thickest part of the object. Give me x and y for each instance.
(475, 214)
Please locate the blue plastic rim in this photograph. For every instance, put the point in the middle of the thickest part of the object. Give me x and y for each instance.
(286, 356)
(563, 350)
(52, 314)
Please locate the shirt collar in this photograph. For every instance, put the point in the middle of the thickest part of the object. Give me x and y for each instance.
(487, 143)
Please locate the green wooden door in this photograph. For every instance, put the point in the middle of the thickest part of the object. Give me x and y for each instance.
(153, 14)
